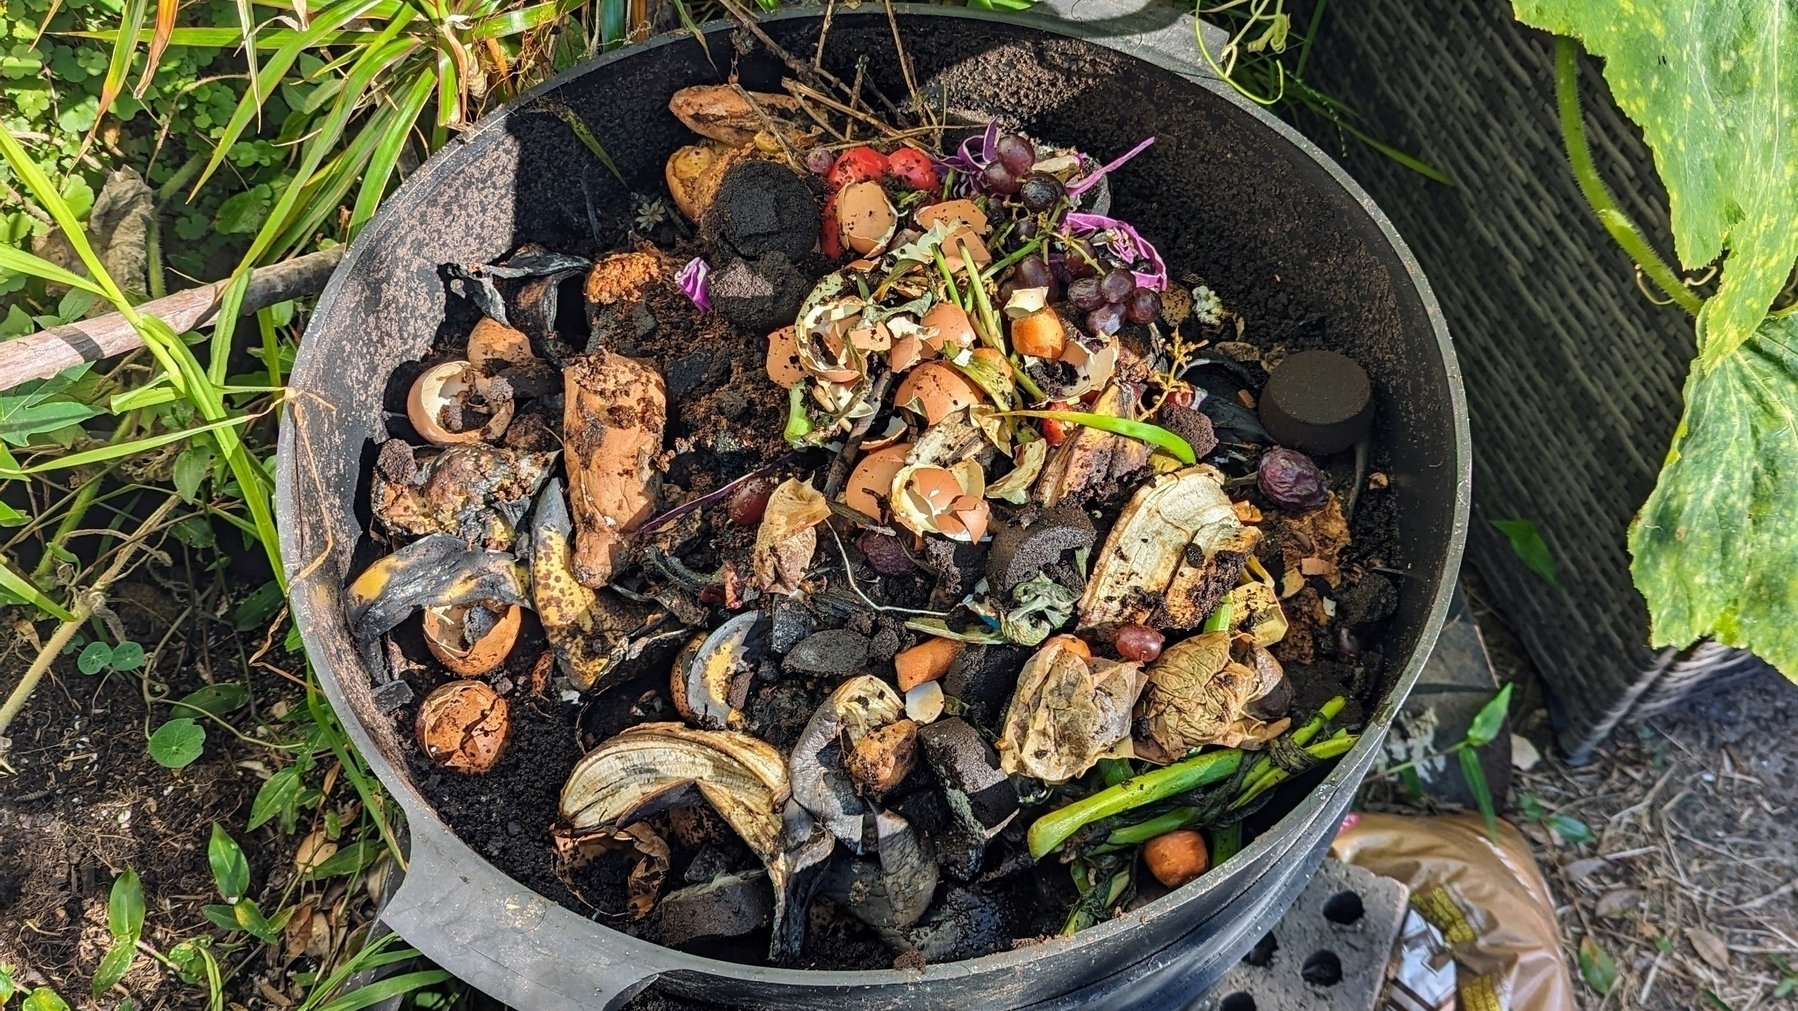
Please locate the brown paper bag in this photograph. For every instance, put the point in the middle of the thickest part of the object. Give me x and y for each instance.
(1489, 902)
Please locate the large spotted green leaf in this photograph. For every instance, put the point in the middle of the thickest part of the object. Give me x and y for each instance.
(1714, 86)
(1716, 546)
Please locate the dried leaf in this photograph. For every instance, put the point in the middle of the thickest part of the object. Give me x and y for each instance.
(1710, 947)
(1617, 903)
(313, 850)
(786, 539)
(646, 878)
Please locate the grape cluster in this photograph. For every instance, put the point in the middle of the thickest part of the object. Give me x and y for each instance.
(1010, 175)
(1112, 297)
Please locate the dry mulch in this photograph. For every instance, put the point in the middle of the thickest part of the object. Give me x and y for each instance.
(1691, 883)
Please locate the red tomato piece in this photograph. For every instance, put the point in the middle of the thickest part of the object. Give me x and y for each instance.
(856, 165)
(913, 168)
(830, 238)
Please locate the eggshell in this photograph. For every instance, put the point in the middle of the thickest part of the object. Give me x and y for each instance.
(952, 326)
(865, 217)
(938, 389)
(440, 383)
(1039, 335)
(873, 476)
(965, 212)
(443, 637)
(492, 343)
(783, 358)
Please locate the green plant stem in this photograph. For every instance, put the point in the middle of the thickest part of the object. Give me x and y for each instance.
(1592, 185)
(990, 331)
(1322, 751)
(1054, 828)
(942, 266)
(86, 603)
(1135, 835)
(84, 499)
(1301, 737)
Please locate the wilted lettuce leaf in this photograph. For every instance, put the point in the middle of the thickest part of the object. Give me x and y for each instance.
(1716, 546)
(1714, 86)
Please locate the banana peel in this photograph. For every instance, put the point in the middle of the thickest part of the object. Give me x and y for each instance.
(589, 630)
(1174, 552)
(439, 570)
(654, 766)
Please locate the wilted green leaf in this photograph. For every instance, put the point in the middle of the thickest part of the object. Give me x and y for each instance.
(230, 869)
(1596, 966)
(125, 906)
(216, 699)
(258, 607)
(275, 796)
(1570, 829)
(1713, 86)
(43, 999)
(249, 917)
(177, 743)
(349, 860)
(94, 659)
(113, 966)
(1531, 549)
(1489, 719)
(1714, 548)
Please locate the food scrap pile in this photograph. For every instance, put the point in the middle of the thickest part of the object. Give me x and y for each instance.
(888, 538)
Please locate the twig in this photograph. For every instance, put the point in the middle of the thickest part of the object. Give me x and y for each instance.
(47, 352)
(830, 10)
(86, 603)
(919, 106)
(793, 160)
(801, 90)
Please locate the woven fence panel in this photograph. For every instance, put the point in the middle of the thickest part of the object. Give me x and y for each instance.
(1573, 376)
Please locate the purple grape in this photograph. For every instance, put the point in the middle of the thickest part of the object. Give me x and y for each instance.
(1032, 272)
(1016, 153)
(1027, 229)
(1291, 481)
(1117, 284)
(1080, 260)
(1143, 306)
(998, 180)
(819, 161)
(1106, 319)
(1039, 191)
(1085, 294)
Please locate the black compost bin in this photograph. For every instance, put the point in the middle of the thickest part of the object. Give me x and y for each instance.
(1227, 192)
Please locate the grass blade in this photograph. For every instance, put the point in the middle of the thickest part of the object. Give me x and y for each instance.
(124, 49)
(26, 590)
(159, 43)
(1482, 791)
(225, 325)
(101, 454)
(387, 153)
(393, 986)
(20, 262)
(1129, 428)
(323, 28)
(579, 126)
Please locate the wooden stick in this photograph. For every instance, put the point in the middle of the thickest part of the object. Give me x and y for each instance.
(47, 352)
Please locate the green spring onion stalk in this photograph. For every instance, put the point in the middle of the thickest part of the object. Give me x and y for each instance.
(1219, 620)
(1335, 747)
(1054, 828)
(1129, 428)
(1226, 842)
(799, 423)
(942, 266)
(1301, 737)
(1136, 835)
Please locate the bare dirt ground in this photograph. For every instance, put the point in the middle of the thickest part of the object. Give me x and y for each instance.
(1691, 882)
